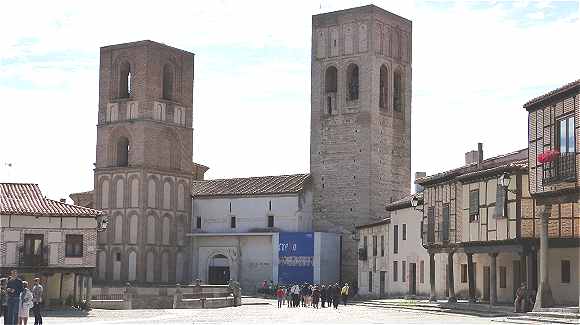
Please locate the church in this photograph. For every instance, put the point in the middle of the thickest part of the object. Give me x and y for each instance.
(167, 224)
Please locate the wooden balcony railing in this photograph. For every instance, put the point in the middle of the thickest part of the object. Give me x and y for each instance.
(560, 170)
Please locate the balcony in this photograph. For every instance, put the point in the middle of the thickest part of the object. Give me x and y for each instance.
(560, 170)
(32, 260)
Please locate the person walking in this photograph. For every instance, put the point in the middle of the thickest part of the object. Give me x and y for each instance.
(3, 299)
(344, 293)
(26, 302)
(315, 296)
(280, 295)
(295, 295)
(13, 288)
(323, 295)
(289, 296)
(336, 295)
(37, 291)
(265, 288)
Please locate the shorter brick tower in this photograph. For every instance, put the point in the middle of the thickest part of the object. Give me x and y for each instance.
(144, 162)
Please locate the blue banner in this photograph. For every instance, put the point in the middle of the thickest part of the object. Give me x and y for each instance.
(296, 255)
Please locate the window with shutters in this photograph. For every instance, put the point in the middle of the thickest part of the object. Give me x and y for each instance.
(445, 223)
(422, 272)
(198, 222)
(270, 221)
(404, 231)
(374, 245)
(404, 271)
(395, 271)
(232, 222)
(370, 281)
(500, 202)
(473, 205)
(365, 245)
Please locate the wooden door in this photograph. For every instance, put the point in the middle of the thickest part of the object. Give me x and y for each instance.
(382, 275)
(413, 278)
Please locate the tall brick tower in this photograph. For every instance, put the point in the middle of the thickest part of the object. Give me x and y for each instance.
(144, 165)
(360, 154)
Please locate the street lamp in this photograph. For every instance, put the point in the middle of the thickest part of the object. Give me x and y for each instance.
(505, 181)
(415, 203)
(102, 223)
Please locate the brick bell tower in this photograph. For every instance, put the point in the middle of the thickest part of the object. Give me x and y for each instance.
(144, 164)
(360, 151)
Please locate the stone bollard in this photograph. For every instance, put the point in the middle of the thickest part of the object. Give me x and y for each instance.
(236, 291)
(177, 296)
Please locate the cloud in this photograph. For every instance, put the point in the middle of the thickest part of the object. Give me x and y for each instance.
(474, 65)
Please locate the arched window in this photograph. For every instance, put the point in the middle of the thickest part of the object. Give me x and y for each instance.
(120, 189)
(383, 82)
(151, 230)
(119, 229)
(167, 195)
(123, 152)
(105, 194)
(330, 87)
(165, 267)
(352, 82)
(135, 192)
(180, 197)
(167, 82)
(151, 194)
(179, 262)
(165, 231)
(133, 228)
(398, 91)
(125, 80)
(132, 266)
(150, 265)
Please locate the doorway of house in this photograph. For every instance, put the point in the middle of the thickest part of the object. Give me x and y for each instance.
(486, 283)
(219, 270)
(382, 275)
(412, 278)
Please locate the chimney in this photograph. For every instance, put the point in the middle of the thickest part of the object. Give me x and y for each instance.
(419, 188)
(474, 156)
(62, 200)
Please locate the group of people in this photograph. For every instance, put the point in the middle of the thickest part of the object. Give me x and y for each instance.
(17, 299)
(307, 295)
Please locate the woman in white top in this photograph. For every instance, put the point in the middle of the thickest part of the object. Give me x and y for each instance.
(25, 304)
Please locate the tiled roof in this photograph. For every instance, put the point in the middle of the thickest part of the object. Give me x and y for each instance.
(514, 160)
(250, 186)
(552, 93)
(27, 199)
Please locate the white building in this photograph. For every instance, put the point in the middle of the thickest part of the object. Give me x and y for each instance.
(48, 239)
(392, 261)
(259, 228)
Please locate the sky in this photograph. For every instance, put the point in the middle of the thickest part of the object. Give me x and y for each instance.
(475, 63)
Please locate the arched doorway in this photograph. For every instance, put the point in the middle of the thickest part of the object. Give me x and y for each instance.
(219, 270)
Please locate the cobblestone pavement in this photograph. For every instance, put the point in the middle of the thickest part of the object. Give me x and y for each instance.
(260, 313)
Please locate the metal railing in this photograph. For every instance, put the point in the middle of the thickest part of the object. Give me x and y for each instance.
(561, 169)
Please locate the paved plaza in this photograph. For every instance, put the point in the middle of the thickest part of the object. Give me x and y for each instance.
(266, 312)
